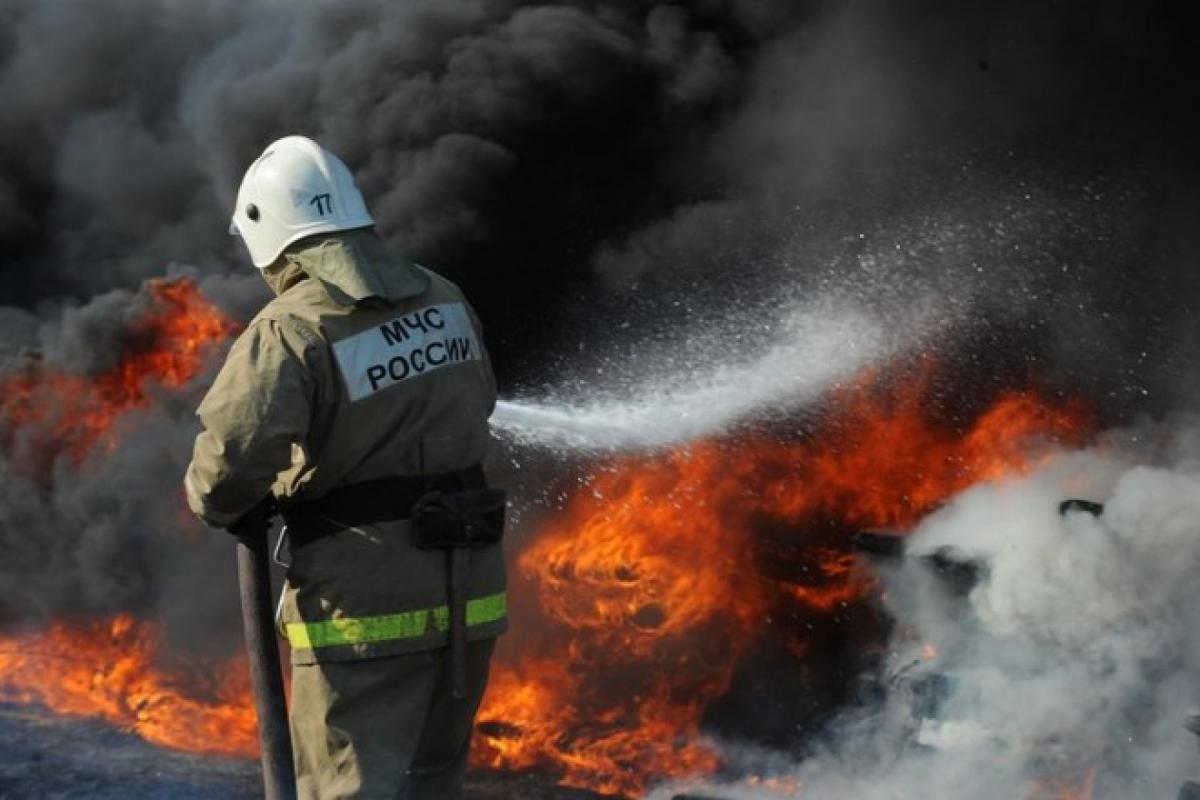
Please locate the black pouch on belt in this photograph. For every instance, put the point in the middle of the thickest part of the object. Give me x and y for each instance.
(471, 518)
(458, 522)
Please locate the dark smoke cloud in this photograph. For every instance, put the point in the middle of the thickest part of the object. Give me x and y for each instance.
(579, 165)
(110, 535)
(485, 134)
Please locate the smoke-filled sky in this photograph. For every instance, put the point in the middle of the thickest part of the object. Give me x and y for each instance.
(579, 166)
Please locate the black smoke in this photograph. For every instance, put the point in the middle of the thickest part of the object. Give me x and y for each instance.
(581, 167)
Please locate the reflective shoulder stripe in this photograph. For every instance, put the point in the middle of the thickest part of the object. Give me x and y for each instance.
(391, 627)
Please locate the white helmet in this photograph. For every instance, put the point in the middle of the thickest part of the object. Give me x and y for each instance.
(296, 188)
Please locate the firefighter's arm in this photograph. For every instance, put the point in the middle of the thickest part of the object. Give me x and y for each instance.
(258, 407)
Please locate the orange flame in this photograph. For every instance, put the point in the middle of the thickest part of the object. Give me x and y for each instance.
(107, 669)
(47, 412)
(1064, 789)
(655, 579)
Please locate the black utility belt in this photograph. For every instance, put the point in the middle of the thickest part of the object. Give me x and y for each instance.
(448, 510)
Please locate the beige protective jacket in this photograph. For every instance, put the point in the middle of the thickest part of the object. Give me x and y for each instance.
(364, 366)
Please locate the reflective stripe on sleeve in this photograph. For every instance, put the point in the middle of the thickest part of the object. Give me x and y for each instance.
(391, 627)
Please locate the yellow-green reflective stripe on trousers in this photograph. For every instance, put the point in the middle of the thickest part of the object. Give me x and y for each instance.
(390, 627)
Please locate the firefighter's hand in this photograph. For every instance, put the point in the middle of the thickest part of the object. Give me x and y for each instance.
(256, 521)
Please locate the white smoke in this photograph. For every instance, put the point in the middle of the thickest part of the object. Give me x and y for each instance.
(1073, 660)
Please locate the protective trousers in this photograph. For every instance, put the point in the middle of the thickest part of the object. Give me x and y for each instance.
(385, 728)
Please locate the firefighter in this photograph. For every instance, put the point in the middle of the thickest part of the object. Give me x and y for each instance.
(357, 401)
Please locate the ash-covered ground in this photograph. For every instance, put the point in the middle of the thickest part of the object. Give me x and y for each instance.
(51, 757)
(45, 755)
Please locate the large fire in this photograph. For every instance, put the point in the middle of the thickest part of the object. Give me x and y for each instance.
(107, 669)
(110, 668)
(44, 412)
(656, 578)
(632, 608)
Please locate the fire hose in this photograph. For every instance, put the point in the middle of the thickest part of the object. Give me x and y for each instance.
(266, 677)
